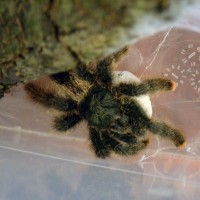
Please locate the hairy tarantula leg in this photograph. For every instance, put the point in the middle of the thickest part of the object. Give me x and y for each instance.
(165, 130)
(103, 71)
(100, 149)
(124, 149)
(66, 122)
(115, 57)
(146, 86)
(105, 66)
(127, 138)
(134, 111)
(85, 72)
(49, 100)
(131, 149)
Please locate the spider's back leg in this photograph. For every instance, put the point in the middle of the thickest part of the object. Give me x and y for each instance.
(106, 65)
(86, 72)
(48, 98)
(101, 70)
(146, 86)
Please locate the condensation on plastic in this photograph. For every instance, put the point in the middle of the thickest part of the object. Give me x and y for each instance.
(37, 163)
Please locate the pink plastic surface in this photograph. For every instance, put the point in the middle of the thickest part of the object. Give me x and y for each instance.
(36, 163)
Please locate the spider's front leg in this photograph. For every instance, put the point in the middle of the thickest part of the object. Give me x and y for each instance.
(140, 121)
(146, 86)
(121, 145)
(98, 145)
(65, 122)
(124, 137)
(166, 131)
(103, 142)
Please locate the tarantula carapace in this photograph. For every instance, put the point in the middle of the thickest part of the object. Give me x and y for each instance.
(116, 121)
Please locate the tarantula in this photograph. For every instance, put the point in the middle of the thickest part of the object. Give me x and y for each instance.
(116, 121)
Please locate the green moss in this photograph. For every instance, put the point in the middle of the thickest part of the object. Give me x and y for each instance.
(36, 35)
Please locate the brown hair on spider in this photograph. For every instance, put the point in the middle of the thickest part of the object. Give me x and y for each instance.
(116, 121)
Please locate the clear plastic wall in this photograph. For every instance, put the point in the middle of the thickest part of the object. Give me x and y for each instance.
(36, 163)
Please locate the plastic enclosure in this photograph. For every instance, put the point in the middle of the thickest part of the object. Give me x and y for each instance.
(36, 163)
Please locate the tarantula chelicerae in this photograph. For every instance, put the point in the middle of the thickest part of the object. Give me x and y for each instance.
(116, 121)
